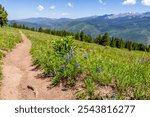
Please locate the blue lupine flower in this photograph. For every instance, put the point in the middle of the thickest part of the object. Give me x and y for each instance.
(71, 52)
(54, 73)
(63, 67)
(85, 56)
(77, 65)
(67, 58)
(99, 70)
(113, 96)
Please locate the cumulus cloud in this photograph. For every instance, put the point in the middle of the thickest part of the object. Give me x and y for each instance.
(52, 7)
(102, 2)
(70, 4)
(40, 8)
(146, 2)
(129, 2)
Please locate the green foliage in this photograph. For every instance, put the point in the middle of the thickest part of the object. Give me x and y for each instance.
(40, 29)
(15, 25)
(57, 58)
(98, 39)
(66, 65)
(63, 46)
(9, 37)
(128, 71)
(90, 87)
(105, 40)
(3, 16)
(98, 66)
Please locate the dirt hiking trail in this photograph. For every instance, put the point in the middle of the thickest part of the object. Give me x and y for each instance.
(20, 80)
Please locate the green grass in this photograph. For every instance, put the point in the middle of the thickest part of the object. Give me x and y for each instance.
(9, 37)
(127, 71)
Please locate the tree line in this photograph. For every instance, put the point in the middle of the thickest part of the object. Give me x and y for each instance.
(103, 39)
(3, 16)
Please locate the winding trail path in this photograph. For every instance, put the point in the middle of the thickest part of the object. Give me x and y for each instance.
(20, 80)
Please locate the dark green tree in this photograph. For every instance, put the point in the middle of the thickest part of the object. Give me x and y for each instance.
(105, 40)
(88, 39)
(119, 43)
(129, 45)
(23, 26)
(98, 39)
(33, 29)
(3, 16)
(82, 36)
(113, 42)
(141, 47)
(40, 29)
(15, 25)
(148, 48)
(135, 46)
(77, 36)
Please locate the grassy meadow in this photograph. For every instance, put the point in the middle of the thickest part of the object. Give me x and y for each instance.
(9, 37)
(93, 71)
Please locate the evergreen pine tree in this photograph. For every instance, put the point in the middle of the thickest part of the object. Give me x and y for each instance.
(3, 16)
(82, 36)
(148, 49)
(141, 47)
(77, 36)
(113, 42)
(105, 40)
(40, 29)
(15, 25)
(98, 39)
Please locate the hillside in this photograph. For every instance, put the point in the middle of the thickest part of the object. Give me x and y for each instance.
(72, 68)
(129, 26)
(93, 71)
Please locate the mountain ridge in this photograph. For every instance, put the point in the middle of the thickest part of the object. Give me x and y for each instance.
(129, 26)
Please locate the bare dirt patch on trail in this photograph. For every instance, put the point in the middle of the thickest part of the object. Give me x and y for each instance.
(20, 80)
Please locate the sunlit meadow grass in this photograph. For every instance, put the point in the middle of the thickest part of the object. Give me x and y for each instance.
(8, 38)
(95, 66)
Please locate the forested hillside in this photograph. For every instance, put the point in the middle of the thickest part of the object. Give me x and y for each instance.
(128, 26)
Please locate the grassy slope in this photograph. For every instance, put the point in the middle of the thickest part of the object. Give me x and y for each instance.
(127, 71)
(8, 39)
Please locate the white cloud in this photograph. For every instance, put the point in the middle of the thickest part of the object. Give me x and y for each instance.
(102, 2)
(70, 4)
(129, 2)
(65, 14)
(146, 2)
(52, 7)
(40, 8)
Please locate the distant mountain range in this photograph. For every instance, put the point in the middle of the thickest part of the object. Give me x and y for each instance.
(129, 26)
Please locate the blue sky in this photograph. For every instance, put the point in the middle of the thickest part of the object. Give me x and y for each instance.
(20, 9)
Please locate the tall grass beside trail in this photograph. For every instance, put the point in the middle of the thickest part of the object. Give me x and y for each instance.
(9, 37)
(123, 74)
